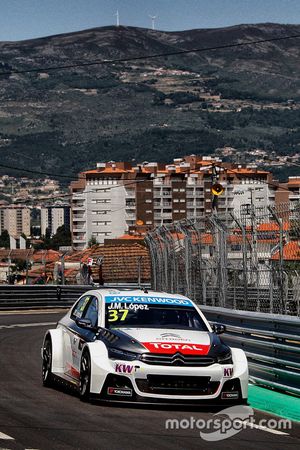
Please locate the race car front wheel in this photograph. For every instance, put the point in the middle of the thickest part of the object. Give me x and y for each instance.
(85, 377)
(47, 374)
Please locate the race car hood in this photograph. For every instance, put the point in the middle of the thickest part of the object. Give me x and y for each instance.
(156, 340)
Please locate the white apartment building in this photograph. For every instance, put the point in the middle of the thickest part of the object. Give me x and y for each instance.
(108, 201)
(15, 219)
(53, 217)
(98, 207)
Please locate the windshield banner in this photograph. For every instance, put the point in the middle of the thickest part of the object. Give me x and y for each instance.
(148, 300)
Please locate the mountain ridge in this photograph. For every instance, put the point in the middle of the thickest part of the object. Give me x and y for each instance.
(156, 109)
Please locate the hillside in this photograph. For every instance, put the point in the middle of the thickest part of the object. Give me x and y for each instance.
(66, 120)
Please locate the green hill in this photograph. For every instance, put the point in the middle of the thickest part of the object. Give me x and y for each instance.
(66, 120)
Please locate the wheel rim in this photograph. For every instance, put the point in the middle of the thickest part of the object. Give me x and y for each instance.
(47, 359)
(84, 374)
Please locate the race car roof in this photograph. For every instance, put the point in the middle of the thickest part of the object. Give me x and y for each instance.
(107, 292)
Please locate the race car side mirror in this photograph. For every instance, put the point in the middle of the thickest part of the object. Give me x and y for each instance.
(218, 328)
(84, 323)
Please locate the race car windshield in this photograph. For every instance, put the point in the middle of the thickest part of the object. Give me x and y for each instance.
(139, 315)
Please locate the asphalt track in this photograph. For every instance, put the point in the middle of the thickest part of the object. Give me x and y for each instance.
(34, 417)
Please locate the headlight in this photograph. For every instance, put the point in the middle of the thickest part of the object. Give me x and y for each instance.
(116, 353)
(226, 358)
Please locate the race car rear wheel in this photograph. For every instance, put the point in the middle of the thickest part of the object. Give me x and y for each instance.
(85, 377)
(47, 374)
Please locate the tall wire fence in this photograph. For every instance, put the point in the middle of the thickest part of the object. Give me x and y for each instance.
(247, 260)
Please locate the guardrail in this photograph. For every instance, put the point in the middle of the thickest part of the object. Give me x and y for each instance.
(46, 296)
(39, 296)
(271, 343)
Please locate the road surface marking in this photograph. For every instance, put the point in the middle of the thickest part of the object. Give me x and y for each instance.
(23, 312)
(6, 437)
(268, 430)
(26, 325)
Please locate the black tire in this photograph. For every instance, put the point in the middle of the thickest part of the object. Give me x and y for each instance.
(47, 375)
(85, 377)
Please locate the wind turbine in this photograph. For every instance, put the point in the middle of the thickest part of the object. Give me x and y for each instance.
(153, 21)
(118, 18)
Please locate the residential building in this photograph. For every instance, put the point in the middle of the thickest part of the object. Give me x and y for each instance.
(15, 219)
(289, 192)
(293, 186)
(53, 217)
(117, 197)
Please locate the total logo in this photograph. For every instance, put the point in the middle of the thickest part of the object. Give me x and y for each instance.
(173, 347)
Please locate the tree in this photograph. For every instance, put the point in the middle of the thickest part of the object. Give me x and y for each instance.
(92, 242)
(4, 239)
(20, 265)
(62, 237)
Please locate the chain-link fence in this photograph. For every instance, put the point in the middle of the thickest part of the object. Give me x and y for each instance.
(248, 260)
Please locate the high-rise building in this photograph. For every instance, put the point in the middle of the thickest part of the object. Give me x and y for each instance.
(114, 197)
(15, 219)
(53, 217)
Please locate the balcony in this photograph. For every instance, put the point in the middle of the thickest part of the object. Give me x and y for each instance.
(294, 196)
(130, 193)
(130, 205)
(163, 215)
(130, 216)
(79, 218)
(78, 240)
(159, 205)
(77, 229)
(78, 197)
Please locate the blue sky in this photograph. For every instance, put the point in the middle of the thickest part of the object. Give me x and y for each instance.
(24, 19)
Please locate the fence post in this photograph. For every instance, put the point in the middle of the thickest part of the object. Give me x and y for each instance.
(279, 222)
(244, 252)
(221, 260)
(58, 293)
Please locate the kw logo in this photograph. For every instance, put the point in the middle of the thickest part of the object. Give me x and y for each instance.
(228, 371)
(124, 368)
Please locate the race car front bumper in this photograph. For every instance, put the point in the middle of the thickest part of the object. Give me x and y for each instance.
(116, 380)
(119, 388)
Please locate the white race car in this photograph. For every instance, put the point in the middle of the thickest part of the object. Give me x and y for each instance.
(140, 346)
